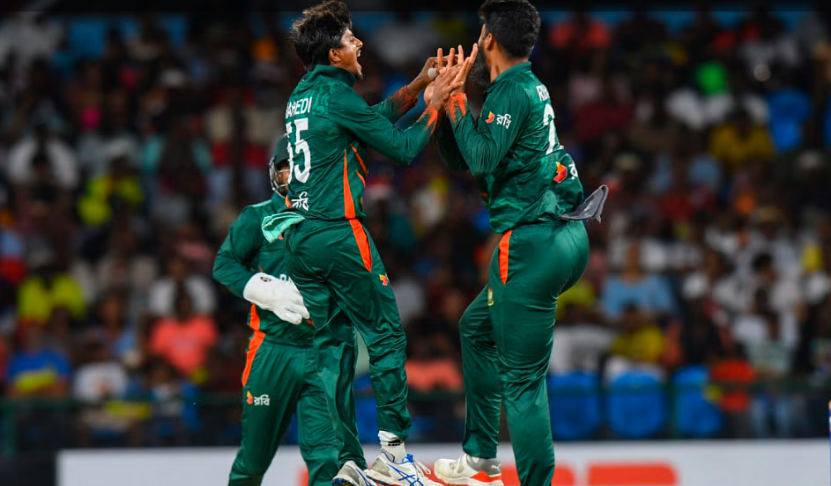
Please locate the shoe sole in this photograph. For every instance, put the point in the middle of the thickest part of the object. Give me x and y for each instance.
(468, 481)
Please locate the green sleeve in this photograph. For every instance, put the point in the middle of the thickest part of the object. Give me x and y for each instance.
(394, 107)
(446, 144)
(349, 111)
(234, 264)
(483, 143)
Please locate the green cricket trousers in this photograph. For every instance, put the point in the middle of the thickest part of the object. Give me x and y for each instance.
(507, 333)
(283, 379)
(335, 264)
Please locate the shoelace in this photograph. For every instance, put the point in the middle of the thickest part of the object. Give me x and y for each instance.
(419, 466)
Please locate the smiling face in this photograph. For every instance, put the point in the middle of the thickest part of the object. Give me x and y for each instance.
(347, 55)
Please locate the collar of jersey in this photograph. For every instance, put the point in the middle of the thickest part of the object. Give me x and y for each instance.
(332, 72)
(509, 73)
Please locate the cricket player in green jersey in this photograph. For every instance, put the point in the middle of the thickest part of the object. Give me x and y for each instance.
(331, 257)
(284, 375)
(531, 189)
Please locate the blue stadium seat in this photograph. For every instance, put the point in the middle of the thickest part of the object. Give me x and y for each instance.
(789, 110)
(637, 405)
(695, 416)
(366, 411)
(87, 36)
(574, 403)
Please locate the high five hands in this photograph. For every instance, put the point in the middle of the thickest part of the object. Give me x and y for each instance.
(452, 72)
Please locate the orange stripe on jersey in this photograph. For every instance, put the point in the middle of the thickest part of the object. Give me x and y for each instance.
(363, 166)
(361, 177)
(363, 243)
(504, 252)
(348, 204)
(254, 345)
(431, 121)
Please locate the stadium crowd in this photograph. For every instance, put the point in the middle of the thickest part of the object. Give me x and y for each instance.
(120, 173)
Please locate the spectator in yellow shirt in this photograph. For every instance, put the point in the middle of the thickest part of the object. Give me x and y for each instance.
(738, 141)
(47, 288)
(640, 345)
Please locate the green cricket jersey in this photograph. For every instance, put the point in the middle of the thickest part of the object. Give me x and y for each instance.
(330, 127)
(245, 252)
(513, 151)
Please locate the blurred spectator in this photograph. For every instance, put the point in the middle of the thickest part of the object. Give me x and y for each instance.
(30, 35)
(640, 345)
(162, 294)
(579, 34)
(185, 339)
(118, 186)
(98, 383)
(738, 141)
(405, 42)
(35, 156)
(48, 287)
(580, 340)
(694, 341)
(114, 331)
(648, 292)
(36, 370)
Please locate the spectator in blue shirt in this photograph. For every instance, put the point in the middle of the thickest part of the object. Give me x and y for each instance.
(648, 292)
(35, 370)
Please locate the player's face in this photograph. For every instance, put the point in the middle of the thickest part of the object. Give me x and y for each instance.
(481, 66)
(281, 178)
(349, 53)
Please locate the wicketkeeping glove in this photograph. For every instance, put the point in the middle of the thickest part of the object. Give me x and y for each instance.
(278, 296)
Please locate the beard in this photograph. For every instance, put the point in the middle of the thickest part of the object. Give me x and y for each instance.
(479, 73)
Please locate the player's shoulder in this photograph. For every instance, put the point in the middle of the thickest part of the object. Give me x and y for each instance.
(256, 211)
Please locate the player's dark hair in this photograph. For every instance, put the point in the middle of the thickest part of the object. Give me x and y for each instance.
(320, 29)
(515, 24)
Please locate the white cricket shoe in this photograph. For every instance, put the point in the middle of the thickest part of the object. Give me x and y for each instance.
(351, 475)
(467, 471)
(409, 472)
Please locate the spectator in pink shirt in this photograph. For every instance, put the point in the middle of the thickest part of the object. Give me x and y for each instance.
(185, 340)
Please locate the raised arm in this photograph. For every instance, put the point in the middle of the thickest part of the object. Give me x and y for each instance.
(483, 143)
(403, 100)
(348, 110)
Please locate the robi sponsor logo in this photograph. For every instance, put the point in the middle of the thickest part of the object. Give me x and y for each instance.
(257, 401)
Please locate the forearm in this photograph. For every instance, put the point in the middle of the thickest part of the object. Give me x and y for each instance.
(477, 151)
(394, 107)
(231, 274)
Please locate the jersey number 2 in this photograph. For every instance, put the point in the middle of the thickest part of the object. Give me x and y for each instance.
(553, 141)
(296, 148)
(548, 119)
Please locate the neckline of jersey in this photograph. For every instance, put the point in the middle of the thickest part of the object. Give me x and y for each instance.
(334, 72)
(510, 72)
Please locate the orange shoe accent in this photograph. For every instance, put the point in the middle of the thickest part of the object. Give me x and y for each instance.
(504, 252)
(481, 476)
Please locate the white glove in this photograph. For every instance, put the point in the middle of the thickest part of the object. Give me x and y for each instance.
(278, 296)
